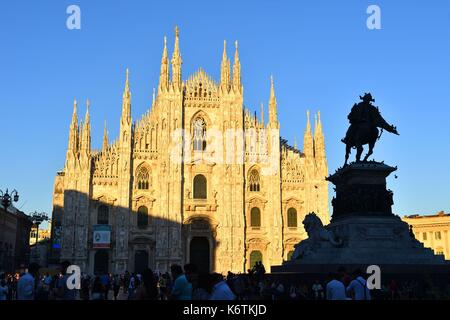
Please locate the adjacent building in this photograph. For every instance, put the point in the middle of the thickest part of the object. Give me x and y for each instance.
(433, 231)
(197, 178)
(15, 229)
(44, 234)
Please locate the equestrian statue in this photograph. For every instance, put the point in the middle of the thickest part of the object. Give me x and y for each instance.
(365, 119)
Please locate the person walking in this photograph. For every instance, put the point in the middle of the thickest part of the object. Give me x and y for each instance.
(116, 286)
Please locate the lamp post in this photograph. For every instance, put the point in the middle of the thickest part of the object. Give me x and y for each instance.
(7, 199)
(37, 218)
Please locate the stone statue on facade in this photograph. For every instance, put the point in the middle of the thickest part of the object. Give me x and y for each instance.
(365, 119)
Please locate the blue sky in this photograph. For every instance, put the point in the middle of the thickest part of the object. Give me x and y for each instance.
(321, 54)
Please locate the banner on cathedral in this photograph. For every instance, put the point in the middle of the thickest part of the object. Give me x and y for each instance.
(102, 236)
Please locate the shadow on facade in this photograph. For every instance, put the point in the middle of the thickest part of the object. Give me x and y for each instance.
(100, 236)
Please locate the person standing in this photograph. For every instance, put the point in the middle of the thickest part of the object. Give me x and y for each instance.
(317, 290)
(148, 289)
(26, 284)
(131, 286)
(3, 288)
(85, 287)
(126, 281)
(62, 290)
(106, 282)
(98, 292)
(358, 287)
(182, 289)
(220, 289)
(335, 288)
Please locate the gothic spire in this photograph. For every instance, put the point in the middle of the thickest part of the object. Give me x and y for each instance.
(87, 118)
(273, 112)
(74, 122)
(164, 74)
(318, 129)
(237, 70)
(73, 131)
(176, 62)
(319, 141)
(153, 97)
(307, 139)
(86, 133)
(105, 138)
(126, 102)
(262, 114)
(225, 69)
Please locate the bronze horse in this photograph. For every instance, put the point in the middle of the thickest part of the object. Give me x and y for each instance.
(365, 120)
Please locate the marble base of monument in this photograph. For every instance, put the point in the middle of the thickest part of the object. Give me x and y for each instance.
(363, 230)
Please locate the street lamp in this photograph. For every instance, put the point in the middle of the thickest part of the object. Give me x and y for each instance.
(7, 198)
(37, 218)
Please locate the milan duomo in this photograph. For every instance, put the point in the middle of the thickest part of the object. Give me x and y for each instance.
(177, 187)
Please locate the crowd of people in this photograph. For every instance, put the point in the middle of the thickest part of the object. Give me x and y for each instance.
(188, 283)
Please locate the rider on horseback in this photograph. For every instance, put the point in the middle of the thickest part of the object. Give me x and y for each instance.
(365, 119)
(360, 114)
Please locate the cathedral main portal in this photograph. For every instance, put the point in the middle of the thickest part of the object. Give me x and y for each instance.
(200, 253)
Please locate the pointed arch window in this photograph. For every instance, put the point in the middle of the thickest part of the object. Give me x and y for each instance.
(142, 217)
(292, 218)
(200, 187)
(199, 137)
(103, 215)
(255, 217)
(254, 180)
(255, 256)
(142, 178)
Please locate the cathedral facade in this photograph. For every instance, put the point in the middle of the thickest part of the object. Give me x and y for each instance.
(196, 179)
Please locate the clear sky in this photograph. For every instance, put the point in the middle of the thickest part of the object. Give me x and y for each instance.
(321, 54)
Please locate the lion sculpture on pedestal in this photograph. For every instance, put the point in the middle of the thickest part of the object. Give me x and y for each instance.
(317, 235)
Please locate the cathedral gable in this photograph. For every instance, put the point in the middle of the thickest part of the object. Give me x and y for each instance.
(200, 88)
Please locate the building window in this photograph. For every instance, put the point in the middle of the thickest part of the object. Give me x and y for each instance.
(438, 235)
(142, 178)
(439, 251)
(199, 135)
(255, 217)
(424, 236)
(200, 187)
(103, 215)
(142, 217)
(255, 256)
(254, 180)
(292, 218)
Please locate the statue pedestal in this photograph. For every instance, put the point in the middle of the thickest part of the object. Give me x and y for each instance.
(363, 229)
